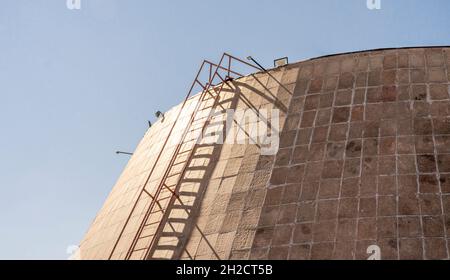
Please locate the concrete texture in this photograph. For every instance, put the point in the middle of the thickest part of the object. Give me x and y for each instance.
(364, 160)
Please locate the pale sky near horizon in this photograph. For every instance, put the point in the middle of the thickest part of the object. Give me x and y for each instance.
(77, 85)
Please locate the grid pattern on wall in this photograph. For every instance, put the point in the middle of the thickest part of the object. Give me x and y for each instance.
(368, 135)
(364, 160)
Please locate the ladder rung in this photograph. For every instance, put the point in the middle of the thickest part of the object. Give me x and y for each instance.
(172, 174)
(156, 222)
(145, 236)
(178, 163)
(140, 249)
(184, 152)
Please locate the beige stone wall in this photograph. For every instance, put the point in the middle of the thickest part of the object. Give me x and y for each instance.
(370, 143)
(221, 180)
(104, 231)
(364, 160)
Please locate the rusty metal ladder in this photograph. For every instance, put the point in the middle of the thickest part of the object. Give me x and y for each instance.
(146, 233)
(180, 193)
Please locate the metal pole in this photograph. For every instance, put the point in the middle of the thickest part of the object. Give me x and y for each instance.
(125, 153)
(256, 62)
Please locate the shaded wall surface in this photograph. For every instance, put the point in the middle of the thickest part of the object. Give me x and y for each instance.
(364, 160)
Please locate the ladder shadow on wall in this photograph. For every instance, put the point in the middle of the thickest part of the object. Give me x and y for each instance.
(182, 212)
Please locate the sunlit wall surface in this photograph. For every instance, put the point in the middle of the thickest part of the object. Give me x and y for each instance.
(364, 160)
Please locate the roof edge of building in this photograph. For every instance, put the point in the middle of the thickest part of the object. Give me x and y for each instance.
(337, 54)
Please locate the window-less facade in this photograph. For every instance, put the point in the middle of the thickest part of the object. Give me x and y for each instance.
(363, 160)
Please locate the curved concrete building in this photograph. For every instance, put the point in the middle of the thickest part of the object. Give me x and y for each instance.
(362, 170)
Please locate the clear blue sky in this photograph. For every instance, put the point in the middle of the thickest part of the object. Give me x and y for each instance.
(76, 85)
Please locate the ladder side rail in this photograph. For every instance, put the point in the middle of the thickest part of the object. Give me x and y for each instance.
(158, 191)
(183, 172)
(155, 197)
(156, 161)
(177, 186)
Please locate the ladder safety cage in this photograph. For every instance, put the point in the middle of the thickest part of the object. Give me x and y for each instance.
(213, 74)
